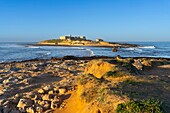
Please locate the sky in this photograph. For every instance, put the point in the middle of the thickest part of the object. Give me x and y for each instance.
(111, 20)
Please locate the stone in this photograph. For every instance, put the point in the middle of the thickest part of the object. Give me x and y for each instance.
(39, 109)
(5, 81)
(30, 110)
(41, 91)
(47, 97)
(137, 64)
(54, 104)
(51, 92)
(32, 96)
(47, 88)
(146, 62)
(62, 90)
(45, 104)
(24, 103)
(26, 81)
(114, 49)
(22, 110)
(18, 95)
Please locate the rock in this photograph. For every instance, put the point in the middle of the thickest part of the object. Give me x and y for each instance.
(62, 90)
(18, 95)
(47, 97)
(41, 91)
(114, 49)
(22, 110)
(137, 64)
(24, 103)
(54, 104)
(30, 110)
(32, 96)
(98, 68)
(47, 88)
(146, 63)
(39, 109)
(26, 81)
(5, 81)
(46, 105)
(51, 92)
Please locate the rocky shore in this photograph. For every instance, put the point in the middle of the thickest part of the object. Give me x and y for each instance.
(47, 86)
(38, 85)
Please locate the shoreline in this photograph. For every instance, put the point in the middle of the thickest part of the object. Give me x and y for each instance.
(118, 45)
(80, 58)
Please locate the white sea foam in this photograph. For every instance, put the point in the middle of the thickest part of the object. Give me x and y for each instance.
(81, 48)
(129, 48)
(48, 53)
(91, 52)
(33, 47)
(148, 47)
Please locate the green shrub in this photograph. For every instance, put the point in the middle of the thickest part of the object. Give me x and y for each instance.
(144, 106)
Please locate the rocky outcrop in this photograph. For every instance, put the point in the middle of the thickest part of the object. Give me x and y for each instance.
(137, 63)
(98, 68)
(114, 49)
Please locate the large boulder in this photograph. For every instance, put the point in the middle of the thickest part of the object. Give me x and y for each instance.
(98, 68)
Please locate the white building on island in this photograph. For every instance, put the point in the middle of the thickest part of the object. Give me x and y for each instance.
(99, 40)
(72, 37)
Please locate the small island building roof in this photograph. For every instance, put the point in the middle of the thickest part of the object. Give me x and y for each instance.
(99, 40)
(72, 37)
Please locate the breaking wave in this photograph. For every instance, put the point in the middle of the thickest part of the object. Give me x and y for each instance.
(32, 46)
(91, 52)
(147, 47)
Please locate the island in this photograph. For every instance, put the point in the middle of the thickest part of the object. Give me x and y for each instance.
(82, 41)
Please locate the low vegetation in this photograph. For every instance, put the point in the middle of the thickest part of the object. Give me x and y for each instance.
(53, 41)
(120, 89)
(144, 106)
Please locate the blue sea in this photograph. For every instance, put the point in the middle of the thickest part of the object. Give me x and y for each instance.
(19, 51)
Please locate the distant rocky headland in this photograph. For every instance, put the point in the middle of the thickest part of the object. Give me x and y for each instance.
(82, 41)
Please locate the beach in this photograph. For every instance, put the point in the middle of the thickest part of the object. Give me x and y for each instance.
(82, 84)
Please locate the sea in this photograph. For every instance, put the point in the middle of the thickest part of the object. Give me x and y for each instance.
(19, 51)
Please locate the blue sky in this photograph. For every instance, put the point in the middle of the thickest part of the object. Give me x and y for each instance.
(112, 20)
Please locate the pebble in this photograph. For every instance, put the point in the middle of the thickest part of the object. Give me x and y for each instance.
(41, 91)
(62, 90)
